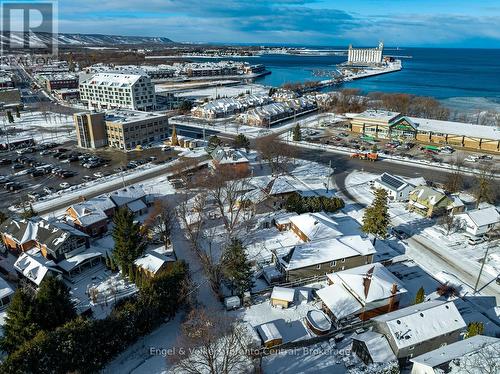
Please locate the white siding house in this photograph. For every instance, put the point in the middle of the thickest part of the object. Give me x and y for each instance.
(480, 221)
(397, 188)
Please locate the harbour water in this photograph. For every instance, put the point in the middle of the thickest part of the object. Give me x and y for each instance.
(467, 79)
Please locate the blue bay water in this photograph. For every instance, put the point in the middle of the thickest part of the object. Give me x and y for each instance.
(460, 78)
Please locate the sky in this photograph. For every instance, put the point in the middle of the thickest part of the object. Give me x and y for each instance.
(422, 23)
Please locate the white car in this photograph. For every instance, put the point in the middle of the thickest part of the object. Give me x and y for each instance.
(65, 185)
(98, 174)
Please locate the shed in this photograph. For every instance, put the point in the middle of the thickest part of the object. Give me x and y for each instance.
(269, 334)
(232, 302)
(282, 297)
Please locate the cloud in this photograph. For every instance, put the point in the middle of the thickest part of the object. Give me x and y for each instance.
(280, 21)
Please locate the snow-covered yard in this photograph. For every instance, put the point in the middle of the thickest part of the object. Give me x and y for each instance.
(42, 127)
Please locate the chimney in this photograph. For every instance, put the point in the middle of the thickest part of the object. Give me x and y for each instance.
(392, 299)
(367, 280)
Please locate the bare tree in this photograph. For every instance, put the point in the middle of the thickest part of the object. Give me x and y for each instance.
(485, 360)
(483, 185)
(454, 181)
(448, 222)
(278, 154)
(191, 213)
(210, 342)
(160, 221)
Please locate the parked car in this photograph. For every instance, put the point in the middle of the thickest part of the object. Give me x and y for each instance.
(473, 240)
(65, 185)
(5, 161)
(98, 174)
(48, 190)
(68, 174)
(37, 173)
(17, 166)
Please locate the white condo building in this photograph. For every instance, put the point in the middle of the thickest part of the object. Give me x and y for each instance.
(365, 55)
(118, 90)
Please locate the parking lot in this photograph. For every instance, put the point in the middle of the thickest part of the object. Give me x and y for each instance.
(340, 136)
(30, 173)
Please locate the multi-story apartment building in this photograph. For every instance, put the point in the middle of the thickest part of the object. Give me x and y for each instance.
(118, 90)
(120, 128)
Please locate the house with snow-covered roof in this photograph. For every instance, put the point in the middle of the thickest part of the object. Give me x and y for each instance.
(397, 188)
(34, 267)
(428, 201)
(320, 257)
(458, 357)
(6, 293)
(480, 221)
(56, 240)
(420, 328)
(132, 197)
(364, 291)
(314, 226)
(154, 261)
(92, 216)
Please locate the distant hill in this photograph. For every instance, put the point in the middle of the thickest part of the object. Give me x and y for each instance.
(84, 40)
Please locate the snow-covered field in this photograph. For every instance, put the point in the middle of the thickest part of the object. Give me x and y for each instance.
(42, 127)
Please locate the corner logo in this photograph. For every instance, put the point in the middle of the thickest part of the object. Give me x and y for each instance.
(29, 27)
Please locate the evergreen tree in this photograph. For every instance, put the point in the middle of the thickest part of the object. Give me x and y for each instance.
(236, 268)
(376, 217)
(242, 141)
(473, 329)
(129, 243)
(419, 298)
(297, 133)
(213, 142)
(9, 117)
(53, 304)
(131, 273)
(20, 322)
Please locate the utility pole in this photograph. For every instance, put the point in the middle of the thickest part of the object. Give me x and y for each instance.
(490, 245)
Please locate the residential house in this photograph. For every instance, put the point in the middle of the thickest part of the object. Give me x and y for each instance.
(372, 348)
(56, 240)
(428, 201)
(132, 197)
(92, 216)
(479, 221)
(397, 188)
(420, 328)
(230, 159)
(364, 291)
(282, 297)
(75, 265)
(320, 257)
(314, 226)
(282, 221)
(6, 293)
(19, 235)
(471, 352)
(155, 261)
(34, 267)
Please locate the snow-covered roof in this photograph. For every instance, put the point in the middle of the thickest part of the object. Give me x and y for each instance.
(116, 79)
(228, 156)
(5, 289)
(459, 349)
(284, 218)
(456, 128)
(153, 261)
(369, 282)
(339, 300)
(89, 212)
(427, 194)
(269, 331)
(283, 293)
(34, 266)
(124, 196)
(327, 250)
(484, 217)
(421, 322)
(381, 115)
(21, 231)
(136, 206)
(72, 262)
(316, 225)
(377, 345)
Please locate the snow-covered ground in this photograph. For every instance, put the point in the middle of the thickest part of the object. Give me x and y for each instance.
(42, 127)
(224, 91)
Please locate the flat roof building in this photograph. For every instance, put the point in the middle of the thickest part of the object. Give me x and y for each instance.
(118, 90)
